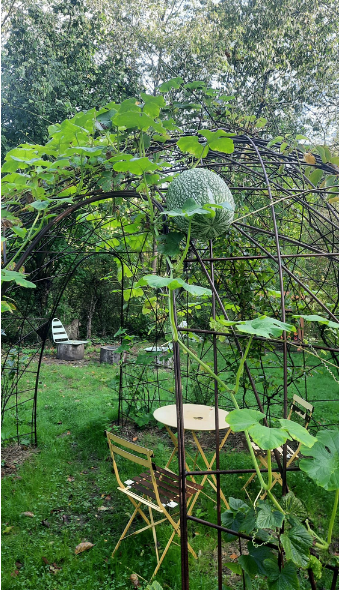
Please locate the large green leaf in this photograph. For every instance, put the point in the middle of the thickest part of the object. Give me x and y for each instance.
(40, 205)
(293, 506)
(19, 278)
(259, 554)
(323, 467)
(225, 145)
(248, 564)
(297, 542)
(168, 244)
(265, 327)
(234, 521)
(174, 283)
(237, 504)
(190, 208)
(244, 418)
(234, 567)
(173, 83)
(136, 166)
(284, 579)
(268, 517)
(135, 119)
(316, 318)
(298, 432)
(191, 144)
(268, 437)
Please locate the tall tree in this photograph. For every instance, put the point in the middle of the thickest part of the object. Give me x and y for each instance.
(278, 58)
(54, 64)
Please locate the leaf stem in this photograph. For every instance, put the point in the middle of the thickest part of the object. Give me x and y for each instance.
(332, 518)
(179, 265)
(269, 466)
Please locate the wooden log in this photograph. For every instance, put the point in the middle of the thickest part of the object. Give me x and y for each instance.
(108, 355)
(70, 352)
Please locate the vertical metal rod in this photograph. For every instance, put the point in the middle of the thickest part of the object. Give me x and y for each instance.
(282, 301)
(224, 312)
(311, 579)
(121, 355)
(181, 461)
(334, 580)
(217, 434)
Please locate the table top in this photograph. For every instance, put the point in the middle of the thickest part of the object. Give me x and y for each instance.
(197, 417)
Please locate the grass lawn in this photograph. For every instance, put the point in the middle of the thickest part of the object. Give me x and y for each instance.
(70, 489)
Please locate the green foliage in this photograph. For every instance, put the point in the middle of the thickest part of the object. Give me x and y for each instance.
(173, 283)
(18, 278)
(319, 319)
(323, 467)
(297, 543)
(286, 578)
(265, 327)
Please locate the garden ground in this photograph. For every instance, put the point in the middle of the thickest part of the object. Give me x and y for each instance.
(65, 493)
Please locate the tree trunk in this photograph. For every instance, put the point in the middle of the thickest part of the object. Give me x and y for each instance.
(91, 311)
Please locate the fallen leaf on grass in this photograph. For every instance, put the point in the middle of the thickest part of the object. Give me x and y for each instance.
(70, 479)
(8, 529)
(83, 546)
(53, 568)
(103, 508)
(134, 579)
(45, 523)
(45, 560)
(233, 556)
(15, 573)
(18, 564)
(135, 439)
(28, 514)
(65, 519)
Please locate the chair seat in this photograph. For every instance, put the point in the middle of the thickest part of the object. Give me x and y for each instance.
(167, 483)
(259, 451)
(71, 342)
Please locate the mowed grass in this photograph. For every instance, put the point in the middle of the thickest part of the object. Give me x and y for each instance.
(70, 488)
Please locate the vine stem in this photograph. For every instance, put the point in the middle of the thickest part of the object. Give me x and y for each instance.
(332, 518)
(231, 394)
(188, 238)
(269, 466)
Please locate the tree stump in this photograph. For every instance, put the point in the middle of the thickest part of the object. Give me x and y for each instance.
(108, 354)
(70, 352)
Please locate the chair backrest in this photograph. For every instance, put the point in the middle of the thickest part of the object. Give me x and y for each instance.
(144, 459)
(59, 334)
(302, 408)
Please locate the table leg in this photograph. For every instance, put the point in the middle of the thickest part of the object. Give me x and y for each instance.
(209, 465)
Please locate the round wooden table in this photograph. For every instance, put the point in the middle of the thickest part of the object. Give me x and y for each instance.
(197, 417)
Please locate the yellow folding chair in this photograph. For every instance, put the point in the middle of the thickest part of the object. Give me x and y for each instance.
(304, 410)
(156, 489)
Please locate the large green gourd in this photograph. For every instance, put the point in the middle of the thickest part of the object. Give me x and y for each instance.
(203, 186)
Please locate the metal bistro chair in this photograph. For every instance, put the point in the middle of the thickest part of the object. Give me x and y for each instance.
(304, 410)
(156, 488)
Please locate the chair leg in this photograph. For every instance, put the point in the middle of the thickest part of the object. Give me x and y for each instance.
(276, 478)
(164, 554)
(248, 481)
(126, 528)
(154, 533)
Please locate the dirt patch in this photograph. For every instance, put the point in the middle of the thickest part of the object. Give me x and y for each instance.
(14, 455)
